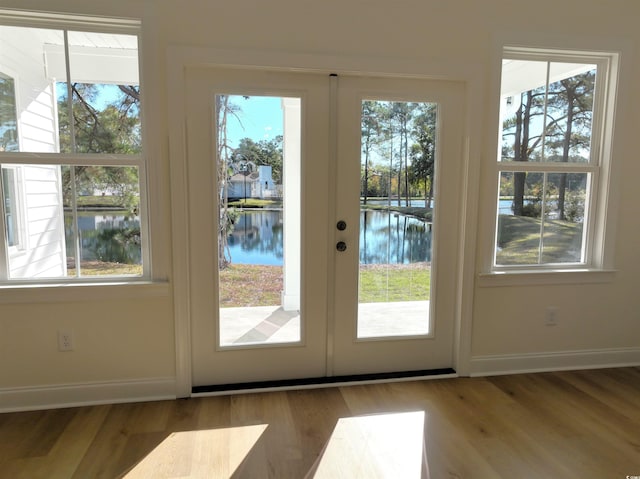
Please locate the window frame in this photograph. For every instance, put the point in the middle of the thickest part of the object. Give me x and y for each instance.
(68, 23)
(596, 241)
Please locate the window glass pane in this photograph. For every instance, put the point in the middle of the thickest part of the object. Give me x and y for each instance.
(570, 112)
(518, 238)
(523, 95)
(35, 221)
(106, 118)
(564, 218)
(546, 111)
(105, 94)
(541, 218)
(53, 220)
(26, 56)
(8, 115)
(101, 218)
(104, 84)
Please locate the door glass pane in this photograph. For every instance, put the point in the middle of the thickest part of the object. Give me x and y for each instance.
(258, 189)
(396, 205)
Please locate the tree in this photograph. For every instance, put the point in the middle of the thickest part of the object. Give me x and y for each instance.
(226, 216)
(401, 113)
(113, 129)
(8, 115)
(531, 106)
(386, 145)
(263, 152)
(424, 149)
(573, 97)
(566, 108)
(370, 131)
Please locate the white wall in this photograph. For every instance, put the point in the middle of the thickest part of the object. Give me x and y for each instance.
(599, 323)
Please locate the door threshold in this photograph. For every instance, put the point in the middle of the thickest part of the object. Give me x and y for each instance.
(320, 382)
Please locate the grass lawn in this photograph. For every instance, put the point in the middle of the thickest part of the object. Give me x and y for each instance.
(257, 285)
(250, 285)
(101, 268)
(255, 203)
(394, 282)
(100, 202)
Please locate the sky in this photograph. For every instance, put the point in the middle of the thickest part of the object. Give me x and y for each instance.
(259, 118)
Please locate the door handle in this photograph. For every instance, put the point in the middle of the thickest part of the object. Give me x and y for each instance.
(341, 225)
(341, 246)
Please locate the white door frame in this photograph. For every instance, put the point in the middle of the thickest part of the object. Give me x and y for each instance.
(178, 58)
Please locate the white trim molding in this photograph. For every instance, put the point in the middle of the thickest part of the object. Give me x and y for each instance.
(554, 361)
(89, 291)
(86, 394)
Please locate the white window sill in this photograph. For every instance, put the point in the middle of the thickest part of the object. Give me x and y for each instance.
(74, 292)
(544, 277)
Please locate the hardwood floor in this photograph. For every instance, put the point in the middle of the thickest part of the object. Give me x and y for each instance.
(581, 424)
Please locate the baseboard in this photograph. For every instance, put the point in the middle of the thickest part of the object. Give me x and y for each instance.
(86, 394)
(554, 361)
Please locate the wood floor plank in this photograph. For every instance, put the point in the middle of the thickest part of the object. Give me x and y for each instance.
(550, 425)
(576, 431)
(67, 453)
(493, 423)
(316, 413)
(103, 458)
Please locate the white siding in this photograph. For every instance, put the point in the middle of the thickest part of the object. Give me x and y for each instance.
(23, 59)
(42, 253)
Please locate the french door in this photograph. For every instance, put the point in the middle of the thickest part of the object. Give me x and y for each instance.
(322, 213)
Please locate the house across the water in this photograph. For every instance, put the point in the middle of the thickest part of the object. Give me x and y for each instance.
(256, 184)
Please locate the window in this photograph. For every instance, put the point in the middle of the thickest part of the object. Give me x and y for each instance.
(71, 150)
(552, 160)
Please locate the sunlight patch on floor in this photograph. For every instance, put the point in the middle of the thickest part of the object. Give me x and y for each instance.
(376, 446)
(190, 453)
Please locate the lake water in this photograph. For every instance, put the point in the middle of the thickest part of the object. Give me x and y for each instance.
(105, 236)
(385, 238)
(505, 205)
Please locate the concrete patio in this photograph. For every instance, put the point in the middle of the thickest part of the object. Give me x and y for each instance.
(272, 325)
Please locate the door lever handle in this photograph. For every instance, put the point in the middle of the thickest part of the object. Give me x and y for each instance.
(341, 246)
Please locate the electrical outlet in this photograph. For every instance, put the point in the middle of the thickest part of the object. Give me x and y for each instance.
(65, 340)
(551, 316)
